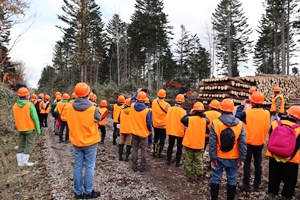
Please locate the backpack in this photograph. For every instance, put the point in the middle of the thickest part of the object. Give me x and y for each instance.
(282, 141)
(227, 139)
(54, 114)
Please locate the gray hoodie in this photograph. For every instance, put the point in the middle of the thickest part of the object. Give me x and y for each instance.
(229, 120)
(81, 104)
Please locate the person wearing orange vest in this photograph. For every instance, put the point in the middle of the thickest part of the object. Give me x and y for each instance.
(125, 131)
(33, 99)
(277, 106)
(27, 122)
(255, 137)
(83, 119)
(150, 137)
(37, 106)
(196, 125)
(287, 172)
(140, 126)
(44, 110)
(102, 124)
(73, 96)
(159, 111)
(61, 109)
(115, 114)
(55, 114)
(175, 129)
(230, 160)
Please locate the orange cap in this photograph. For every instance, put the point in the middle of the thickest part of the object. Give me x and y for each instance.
(74, 95)
(198, 106)
(82, 89)
(294, 111)
(276, 89)
(127, 102)
(141, 96)
(227, 105)
(252, 89)
(161, 93)
(103, 103)
(121, 98)
(215, 104)
(257, 97)
(65, 96)
(179, 98)
(23, 92)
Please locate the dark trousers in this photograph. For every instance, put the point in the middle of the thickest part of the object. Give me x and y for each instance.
(139, 142)
(103, 131)
(63, 125)
(159, 135)
(116, 131)
(285, 172)
(256, 151)
(171, 145)
(44, 118)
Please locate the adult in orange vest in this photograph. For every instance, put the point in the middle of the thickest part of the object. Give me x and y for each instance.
(196, 125)
(40, 98)
(83, 119)
(286, 172)
(229, 160)
(140, 126)
(115, 114)
(61, 109)
(125, 131)
(102, 124)
(150, 137)
(277, 106)
(159, 111)
(255, 137)
(44, 110)
(27, 122)
(55, 113)
(33, 99)
(175, 129)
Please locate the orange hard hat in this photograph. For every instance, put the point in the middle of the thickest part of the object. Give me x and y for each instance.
(127, 102)
(276, 89)
(74, 95)
(41, 95)
(147, 100)
(33, 96)
(58, 97)
(161, 93)
(103, 103)
(23, 92)
(91, 96)
(47, 97)
(198, 106)
(294, 111)
(227, 105)
(257, 97)
(179, 98)
(141, 96)
(57, 93)
(215, 104)
(252, 89)
(95, 97)
(65, 96)
(82, 89)
(121, 98)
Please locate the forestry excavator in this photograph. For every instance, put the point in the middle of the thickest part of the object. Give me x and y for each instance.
(13, 84)
(182, 89)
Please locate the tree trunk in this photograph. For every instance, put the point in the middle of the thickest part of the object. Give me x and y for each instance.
(288, 40)
(283, 54)
(229, 68)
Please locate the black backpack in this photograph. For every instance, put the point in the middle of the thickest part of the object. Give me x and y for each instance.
(227, 138)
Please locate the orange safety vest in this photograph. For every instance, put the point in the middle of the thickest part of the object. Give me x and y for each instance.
(138, 124)
(42, 110)
(116, 112)
(273, 105)
(62, 110)
(159, 112)
(125, 123)
(33, 101)
(296, 158)
(194, 137)
(102, 111)
(83, 130)
(234, 152)
(173, 125)
(211, 115)
(22, 117)
(71, 101)
(257, 126)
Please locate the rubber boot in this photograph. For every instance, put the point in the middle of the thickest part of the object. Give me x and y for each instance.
(121, 147)
(155, 149)
(128, 152)
(25, 160)
(231, 192)
(271, 196)
(102, 140)
(178, 159)
(214, 191)
(159, 153)
(20, 159)
(114, 142)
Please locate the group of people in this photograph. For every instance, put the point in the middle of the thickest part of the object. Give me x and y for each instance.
(232, 139)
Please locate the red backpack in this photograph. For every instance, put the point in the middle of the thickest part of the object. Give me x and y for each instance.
(282, 141)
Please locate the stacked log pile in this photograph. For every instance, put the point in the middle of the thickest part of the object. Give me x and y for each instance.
(237, 88)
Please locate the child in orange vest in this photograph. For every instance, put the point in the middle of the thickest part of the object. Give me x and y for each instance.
(104, 112)
(115, 115)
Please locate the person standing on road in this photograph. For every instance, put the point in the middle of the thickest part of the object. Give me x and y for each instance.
(83, 119)
(255, 137)
(277, 106)
(228, 154)
(196, 125)
(115, 114)
(44, 110)
(27, 122)
(61, 108)
(140, 126)
(159, 111)
(175, 129)
(102, 124)
(55, 114)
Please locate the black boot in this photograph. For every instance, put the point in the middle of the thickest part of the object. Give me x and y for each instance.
(231, 192)
(155, 149)
(102, 140)
(159, 153)
(214, 191)
(128, 152)
(121, 147)
(178, 159)
(114, 142)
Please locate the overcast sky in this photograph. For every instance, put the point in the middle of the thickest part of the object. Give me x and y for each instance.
(36, 46)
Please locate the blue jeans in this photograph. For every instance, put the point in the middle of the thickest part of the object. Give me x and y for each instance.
(87, 156)
(230, 166)
(256, 151)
